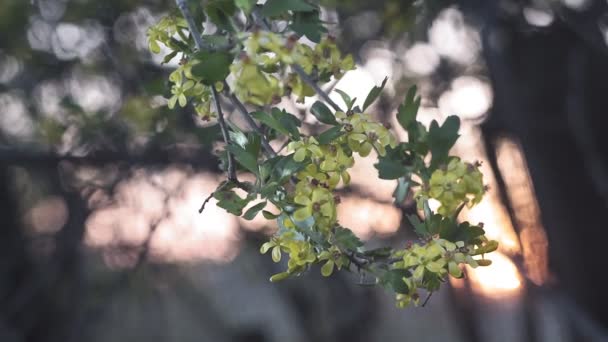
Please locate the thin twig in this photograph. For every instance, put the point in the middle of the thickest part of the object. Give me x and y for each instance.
(220, 118)
(306, 78)
(427, 299)
(198, 40)
(200, 45)
(243, 110)
(200, 211)
(284, 145)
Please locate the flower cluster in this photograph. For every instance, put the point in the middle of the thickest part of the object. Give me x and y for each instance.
(301, 253)
(257, 68)
(457, 183)
(264, 61)
(432, 260)
(363, 134)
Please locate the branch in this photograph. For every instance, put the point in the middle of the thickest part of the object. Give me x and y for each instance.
(306, 78)
(198, 40)
(220, 118)
(200, 211)
(241, 108)
(200, 45)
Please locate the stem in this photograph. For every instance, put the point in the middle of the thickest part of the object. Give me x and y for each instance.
(220, 119)
(306, 78)
(241, 108)
(200, 45)
(198, 40)
(205, 202)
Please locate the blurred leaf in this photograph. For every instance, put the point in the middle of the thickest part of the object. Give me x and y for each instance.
(245, 5)
(382, 252)
(277, 7)
(373, 94)
(213, 67)
(408, 110)
(220, 11)
(442, 138)
(392, 280)
(345, 238)
(169, 57)
(238, 137)
(419, 227)
(323, 113)
(402, 189)
(308, 24)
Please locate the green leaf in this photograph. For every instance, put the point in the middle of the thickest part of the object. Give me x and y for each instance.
(442, 138)
(277, 7)
(253, 211)
(238, 137)
(327, 268)
(427, 209)
(330, 135)
(213, 67)
(220, 11)
(270, 121)
(254, 144)
(393, 280)
(280, 276)
(246, 159)
(345, 238)
(419, 227)
(473, 232)
(268, 215)
(373, 94)
(231, 202)
(390, 169)
(168, 57)
(308, 24)
(245, 5)
(402, 189)
(382, 252)
(286, 167)
(409, 109)
(289, 121)
(323, 113)
(346, 98)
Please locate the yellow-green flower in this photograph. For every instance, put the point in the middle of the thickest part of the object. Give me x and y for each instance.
(459, 183)
(305, 148)
(320, 201)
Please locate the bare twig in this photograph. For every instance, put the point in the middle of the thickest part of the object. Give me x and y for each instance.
(306, 78)
(198, 40)
(243, 110)
(200, 45)
(220, 118)
(205, 202)
(427, 299)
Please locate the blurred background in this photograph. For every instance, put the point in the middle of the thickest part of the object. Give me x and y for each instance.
(100, 184)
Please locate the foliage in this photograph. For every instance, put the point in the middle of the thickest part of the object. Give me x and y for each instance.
(263, 64)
